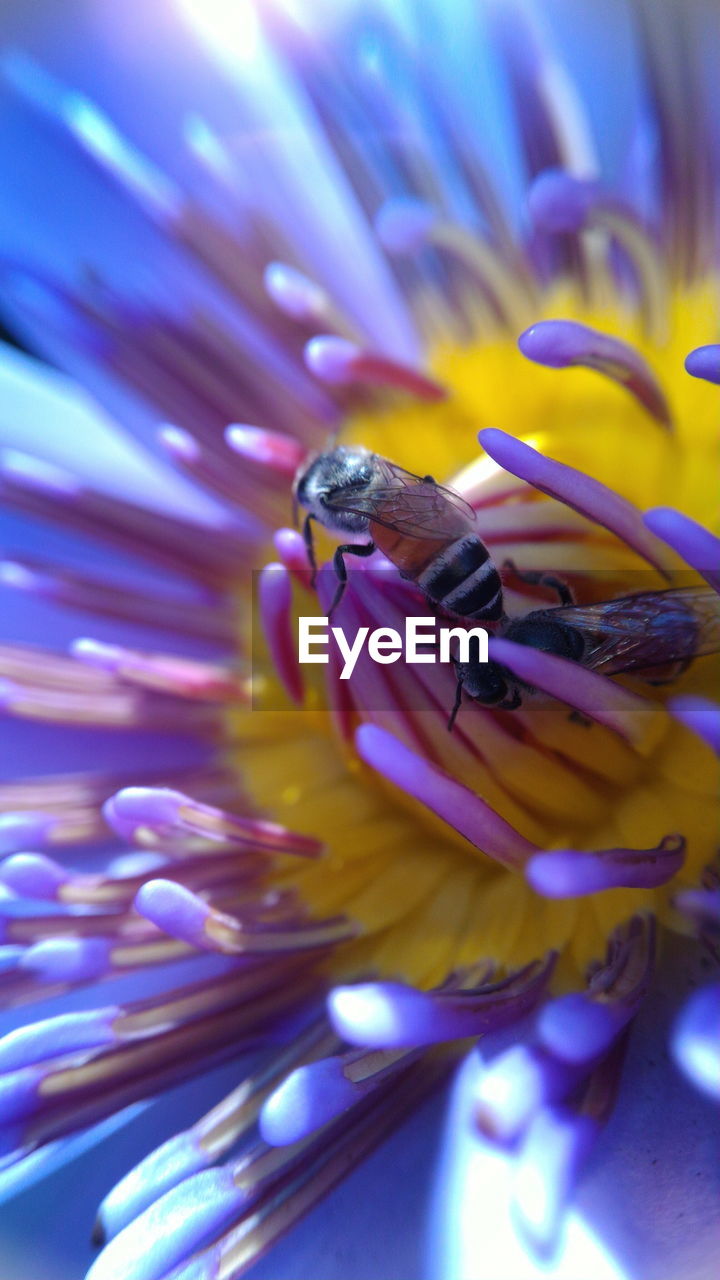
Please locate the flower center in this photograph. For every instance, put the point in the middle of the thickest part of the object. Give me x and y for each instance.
(428, 900)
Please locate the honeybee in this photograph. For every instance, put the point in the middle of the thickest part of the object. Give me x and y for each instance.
(427, 531)
(654, 633)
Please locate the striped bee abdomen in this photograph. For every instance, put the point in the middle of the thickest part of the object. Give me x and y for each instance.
(464, 580)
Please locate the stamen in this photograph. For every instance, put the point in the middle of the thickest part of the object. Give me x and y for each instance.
(68, 960)
(704, 362)
(290, 546)
(576, 490)
(56, 1037)
(111, 708)
(64, 1103)
(517, 1084)
(199, 615)
(209, 1138)
(196, 1208)
(638, 720)
(23, 830)
(698, 548)
(341, 363)
(296, 295)
(10, 957)
(701, 905)
(209, 552)
(19, 1093)
(581, 1026)
(294, 1186)
(172, 1228)
(455, 804)
(163, 673)
(38, 877)
(695, 1043)
(314, 1094)
(275, 599)
(699, 714)
(406, 226)
(578, 1029)
(391, 1015)
(32, 875)
(185, 916)
(566, 873)
(164, 812)
(272, 449)
(564, 344)
(560, 202)
(403, 225)
(222, 477)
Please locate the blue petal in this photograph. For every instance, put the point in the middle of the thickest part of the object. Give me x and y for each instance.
(647, 1204)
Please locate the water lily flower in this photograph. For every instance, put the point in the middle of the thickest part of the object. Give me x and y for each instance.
(478, 240)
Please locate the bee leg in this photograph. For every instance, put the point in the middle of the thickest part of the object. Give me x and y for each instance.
(350, 549)
(537, 578)
(456, 705)
(310, 547)
(565, 595)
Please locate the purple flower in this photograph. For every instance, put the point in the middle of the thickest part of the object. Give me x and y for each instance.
(266, 230)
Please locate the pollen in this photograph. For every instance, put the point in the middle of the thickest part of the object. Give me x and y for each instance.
(427, 899)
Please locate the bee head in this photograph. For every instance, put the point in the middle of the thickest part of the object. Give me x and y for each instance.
(486, 682)
(342, 470)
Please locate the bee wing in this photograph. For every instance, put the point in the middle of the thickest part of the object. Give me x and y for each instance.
(645, 630)
(411, 505)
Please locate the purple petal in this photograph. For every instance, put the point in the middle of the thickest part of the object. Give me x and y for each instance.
(309, 1097)
(32, 875)
(701, 715)
(387, 1015)
(341, 363)
(403, 224)
(564, 344)
(704, 362)
(634, 718)
(295, 294)
(175, 910)
(697, 546)
(576, 490)
(275, 597)
(68, 959)
(566, 873)
(22, 830)
(171, 1228)
(451, 801)
(560, 202)
(54, 1037)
